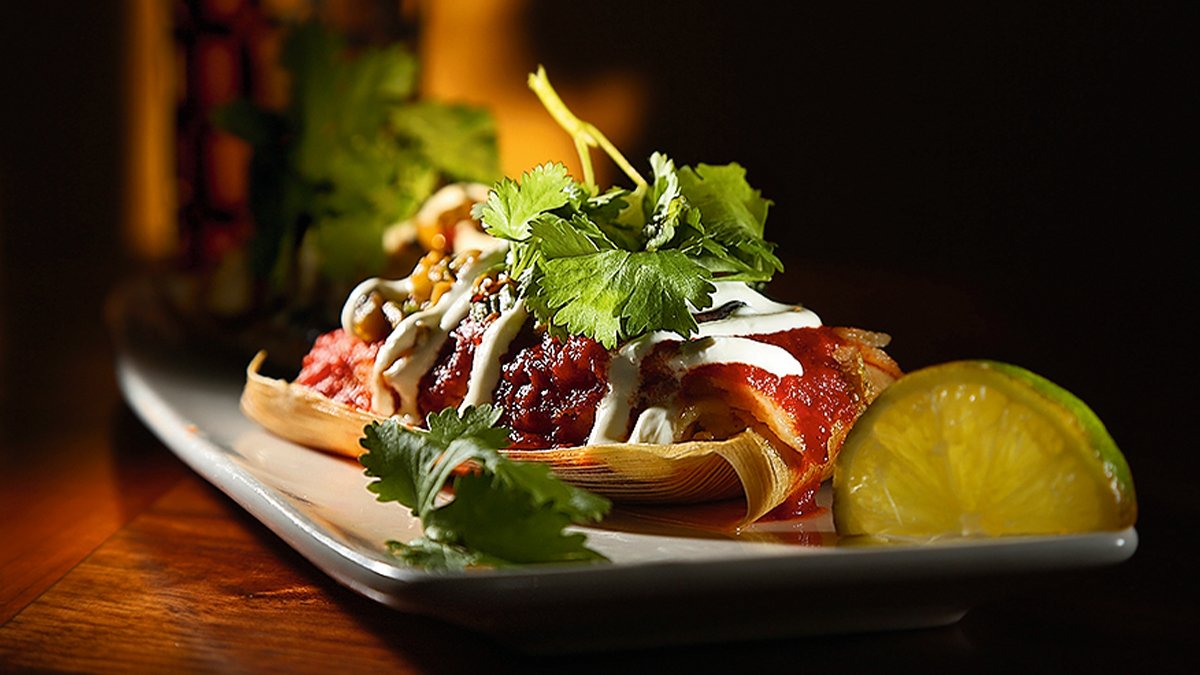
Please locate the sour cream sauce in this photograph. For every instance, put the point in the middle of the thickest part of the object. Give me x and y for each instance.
(413, 345)
(719, 341)
(411, 349)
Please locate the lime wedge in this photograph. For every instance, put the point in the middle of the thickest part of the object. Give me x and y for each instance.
(979, 448)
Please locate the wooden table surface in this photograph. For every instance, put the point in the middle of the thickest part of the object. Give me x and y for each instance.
(114, 556)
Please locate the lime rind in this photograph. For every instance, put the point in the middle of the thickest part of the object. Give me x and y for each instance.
(1045, 405)
(1100, 440)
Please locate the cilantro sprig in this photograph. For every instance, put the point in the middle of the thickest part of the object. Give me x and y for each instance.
(617, 264)
(502, 512)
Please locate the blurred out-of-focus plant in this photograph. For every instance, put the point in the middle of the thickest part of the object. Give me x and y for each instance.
(355, 151)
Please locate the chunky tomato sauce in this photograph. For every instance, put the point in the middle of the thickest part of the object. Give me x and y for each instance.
(339, 367)
(445, 385)
(822, 401)
(550, 388)
(819, 406)
(816, 403)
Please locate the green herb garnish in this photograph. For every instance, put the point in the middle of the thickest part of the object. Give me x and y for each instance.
(618, 264)
(355, 151)
(502, 512)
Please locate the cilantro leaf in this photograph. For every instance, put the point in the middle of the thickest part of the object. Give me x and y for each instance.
(559, 238)
(663, 204)
(398, 459)
(727, 201)
(618, 264)
(580, 505)
(479, 422)
(507, 524)
(582, 294)
(433, 555)
(734, 215)
(664, 289)
(615, 295)
(511, 205)
(503, 512)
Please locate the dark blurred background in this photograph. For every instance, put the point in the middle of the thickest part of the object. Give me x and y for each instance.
(999, 180)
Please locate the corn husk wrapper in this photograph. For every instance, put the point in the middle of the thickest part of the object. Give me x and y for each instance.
(677, 473)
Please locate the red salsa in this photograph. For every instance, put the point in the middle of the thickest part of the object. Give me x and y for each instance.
(550, 387)
(445, 385)
(339, 368)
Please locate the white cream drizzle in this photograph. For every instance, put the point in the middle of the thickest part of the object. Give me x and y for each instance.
(410, 351)
(756, 316)
(412, 347)
(485, 365)
(397, 290)
(719, 341)
(654, 425)
(612, 413)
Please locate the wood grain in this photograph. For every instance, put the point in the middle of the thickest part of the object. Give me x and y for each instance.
(64, 495)
(194, 585)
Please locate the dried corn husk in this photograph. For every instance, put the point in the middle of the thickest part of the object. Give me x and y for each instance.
(301, 415)
(680, 473)
(689, 472)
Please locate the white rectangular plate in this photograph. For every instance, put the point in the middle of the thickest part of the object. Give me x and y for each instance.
(659, 588)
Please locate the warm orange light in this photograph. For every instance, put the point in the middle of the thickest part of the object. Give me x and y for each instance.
(150, 230)
(477, 51)
(472, 51)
